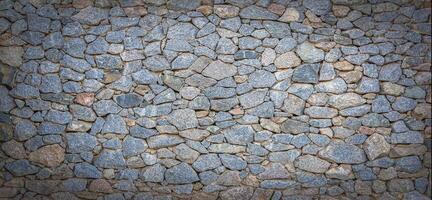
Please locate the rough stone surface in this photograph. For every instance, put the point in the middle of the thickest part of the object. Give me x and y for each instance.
(213, 99)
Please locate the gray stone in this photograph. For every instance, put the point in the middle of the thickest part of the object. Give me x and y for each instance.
(85, 170)
(181, 174)
(309, 54)
(114, 124)
(110, 159)
(156, 63)
(21, 168)
(336, 85)
(368, 85)
(261, 79)
(375, 120)
(99, 46)
(240, 134)
(75, 47)
(219, 70)
(80, 142)
(106, 61)
(105, 107)
(37, 23)
(133, 146)
(184, 31)
(390, 72)
(376, 146)
(183, 61)
(91, 15)
(380, 104)
(306, 73)
(279, 30)
(255, 12)
(253, 98)
(403, 104)
(409, 164)
(206, 162)
(145, 77)
(312, 164)
(58, 117)
(128, 100)
(346, 100)
(161, 141)
(82, 113)
(154, 173)
(233, 162)
(53, 40)
(343, 153)
(183, 119)
(318, 7)
(408, 137)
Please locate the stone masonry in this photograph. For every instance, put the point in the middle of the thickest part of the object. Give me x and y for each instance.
(215, 99)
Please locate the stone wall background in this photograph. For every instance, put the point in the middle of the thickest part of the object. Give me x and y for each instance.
(236, 100)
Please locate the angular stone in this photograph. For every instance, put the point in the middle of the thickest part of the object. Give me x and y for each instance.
(241, 192)
(226, 148)
(85, 170)
(226, 11)
(240, 134)
(287, 60)
(110, 159)
(390, 72)
(318, 7)
(80, 142)
(161, 141)
(261, 79)
(255, 12)
(376, 146)
(128, 100)
(24, 129)
(368, 85)
(294, 126)
(154, 173)
(403, 104)
(375, 120)
(206, 162)
(346, 100)
(183, 31)
(253, 98)
(408, 137)
(274, 171)
(21, 168)
(290, 15)
(219, 70)
(183, 119)
(12, 56)
(309, 54)
(293, 104)
(91, 15)
(82, 113)
(321, 112)
(133, 146)
(343, 153)
(336, 86)
(312, 164)
(105, 107)
(166, 96)
(233, 162)
(181, 174)
(114, 124)
(50, 155)
(306, 73)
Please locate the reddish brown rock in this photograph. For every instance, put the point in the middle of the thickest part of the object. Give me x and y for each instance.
(276, 8)
(82, 3)
(85, 99)
(50, 156)
(137, 11)
(100, 185)
(205, 10)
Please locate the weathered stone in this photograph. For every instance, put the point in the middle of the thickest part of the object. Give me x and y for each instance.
(161, 141)
(255, 12)
(343, 153)
(154, 173)
(241, 134)
(91, 15)
(312, 164)
(181, 174)
(183, 119)
(114, 124)
(219, 70)
(50, 156)
(80, 142)
(12, 56)
(85, 170)
(21, 168)
(261, 79)
(110, 159)
(376, 146)
(306, 73)
(309, 54)
(346, 100)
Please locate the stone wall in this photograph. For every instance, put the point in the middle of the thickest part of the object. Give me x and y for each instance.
(190, 99)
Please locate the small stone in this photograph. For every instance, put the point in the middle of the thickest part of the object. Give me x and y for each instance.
(268, 56)
(376, 146)
(50, 155)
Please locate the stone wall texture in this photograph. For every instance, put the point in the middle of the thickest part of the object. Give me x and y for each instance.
(202, 99)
